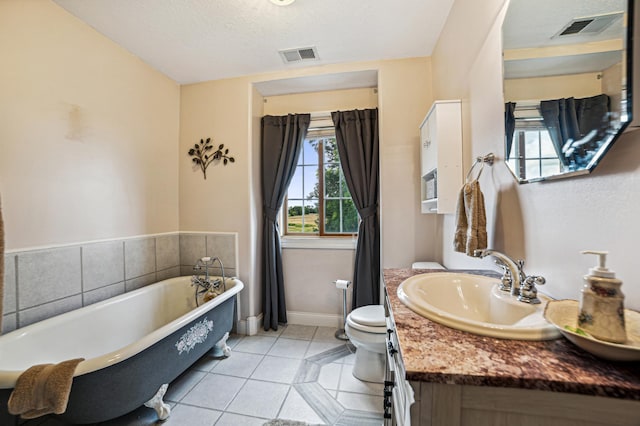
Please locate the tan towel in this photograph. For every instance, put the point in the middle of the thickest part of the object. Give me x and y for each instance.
(460, 236)
(43, 389)
(471, 220)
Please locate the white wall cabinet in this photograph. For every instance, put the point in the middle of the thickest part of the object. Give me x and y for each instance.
(441, 157)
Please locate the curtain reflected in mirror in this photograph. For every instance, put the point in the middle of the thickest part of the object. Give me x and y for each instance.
(565, 91)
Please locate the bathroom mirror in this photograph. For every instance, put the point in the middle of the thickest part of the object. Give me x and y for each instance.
(565, 71)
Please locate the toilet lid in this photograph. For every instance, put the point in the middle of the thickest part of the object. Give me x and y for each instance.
(371, 315)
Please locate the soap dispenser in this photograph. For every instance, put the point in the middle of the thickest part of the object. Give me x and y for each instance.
(602, 303)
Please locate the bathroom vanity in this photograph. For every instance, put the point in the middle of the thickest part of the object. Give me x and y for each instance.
(458, 378)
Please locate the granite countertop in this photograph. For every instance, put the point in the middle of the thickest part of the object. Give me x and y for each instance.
(435, 353)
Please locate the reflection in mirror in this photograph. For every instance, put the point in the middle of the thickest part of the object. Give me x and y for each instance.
(565, 72)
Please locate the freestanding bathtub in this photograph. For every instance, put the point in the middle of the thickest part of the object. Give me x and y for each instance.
(132, 345)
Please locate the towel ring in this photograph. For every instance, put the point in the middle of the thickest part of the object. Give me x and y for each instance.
(488, 159)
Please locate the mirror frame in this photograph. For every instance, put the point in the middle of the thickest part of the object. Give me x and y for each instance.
(626, 98)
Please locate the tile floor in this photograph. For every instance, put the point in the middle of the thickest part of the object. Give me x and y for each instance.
(298, 373)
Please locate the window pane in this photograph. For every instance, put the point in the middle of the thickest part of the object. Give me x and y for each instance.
(302, 216)
(295, 189)
(546, 146)
(343, 185)
(331, 151)
(531, 144)
(294, 216)
(533, 168)
(332, 180)
(310, 151)
(349, 217)
(310, 182)
(332, 216)
(311, 216)
(550, 167)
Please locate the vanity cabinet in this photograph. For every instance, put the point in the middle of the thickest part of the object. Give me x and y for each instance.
(438, 376)
(455, 405)
(441, 157)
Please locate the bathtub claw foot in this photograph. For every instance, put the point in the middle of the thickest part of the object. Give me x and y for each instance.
(221, 349)
(162, 409)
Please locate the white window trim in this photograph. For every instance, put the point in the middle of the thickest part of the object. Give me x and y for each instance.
(321, 243)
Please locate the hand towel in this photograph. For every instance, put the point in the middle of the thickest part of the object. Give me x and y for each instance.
(471, 220)
(43, 389)
(460, 236)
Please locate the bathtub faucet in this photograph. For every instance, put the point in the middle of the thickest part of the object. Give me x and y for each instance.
(206, 282)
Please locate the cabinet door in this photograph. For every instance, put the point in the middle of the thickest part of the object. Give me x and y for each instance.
(441, 158)
(429, 150)
(424, 146)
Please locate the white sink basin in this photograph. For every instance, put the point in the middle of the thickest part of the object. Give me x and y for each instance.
(474, 304)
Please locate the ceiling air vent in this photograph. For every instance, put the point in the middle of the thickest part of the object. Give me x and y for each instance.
(590, 25)
(296, 55)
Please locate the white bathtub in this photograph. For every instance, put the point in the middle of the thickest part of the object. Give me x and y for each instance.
(113, 336)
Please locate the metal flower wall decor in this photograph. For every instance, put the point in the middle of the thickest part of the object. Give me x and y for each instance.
(203, 156)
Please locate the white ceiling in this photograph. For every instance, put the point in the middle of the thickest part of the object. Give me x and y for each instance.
(533, 24)
(199, 40)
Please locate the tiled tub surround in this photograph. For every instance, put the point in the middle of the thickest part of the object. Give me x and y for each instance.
(45, 282)
(437, 354)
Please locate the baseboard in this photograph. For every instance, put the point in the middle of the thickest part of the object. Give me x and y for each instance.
(249, 326)
(316, 319)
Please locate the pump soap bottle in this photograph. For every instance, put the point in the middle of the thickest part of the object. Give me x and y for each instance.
(602, 303)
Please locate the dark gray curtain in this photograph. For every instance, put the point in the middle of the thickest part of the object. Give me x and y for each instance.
(571, 119)
(509, 125)
(282, 139)
(559, 117)
(357, 140)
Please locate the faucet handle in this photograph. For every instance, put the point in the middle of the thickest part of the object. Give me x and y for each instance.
(538, 280)
(528, 291)
(507, 280)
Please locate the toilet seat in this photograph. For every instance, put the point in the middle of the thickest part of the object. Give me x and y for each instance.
(368, 319)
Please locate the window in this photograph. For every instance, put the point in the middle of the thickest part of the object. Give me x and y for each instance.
(532, 152)
(318, 201)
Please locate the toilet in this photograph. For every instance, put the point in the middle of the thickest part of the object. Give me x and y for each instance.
(427, 265)
(366, 329)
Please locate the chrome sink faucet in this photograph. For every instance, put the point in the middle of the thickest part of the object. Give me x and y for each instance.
(512, 276)
(514, 279)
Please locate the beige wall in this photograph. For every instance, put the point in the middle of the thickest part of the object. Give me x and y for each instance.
(405, 96)
(565, 86)
(545, 223)
(88, 133)
(330, 100)
(229, 200)
(220, 110)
